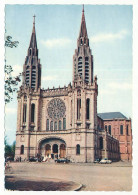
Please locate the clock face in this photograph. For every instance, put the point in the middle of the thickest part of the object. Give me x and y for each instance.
(56, 109)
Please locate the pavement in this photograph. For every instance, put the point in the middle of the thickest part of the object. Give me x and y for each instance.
(36, 176)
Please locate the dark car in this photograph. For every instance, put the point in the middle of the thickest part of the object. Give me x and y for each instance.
(97, 160)
(62, 160)
(9, 158)
(33, 159)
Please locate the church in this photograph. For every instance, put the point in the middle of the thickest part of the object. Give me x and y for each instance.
(63, 122)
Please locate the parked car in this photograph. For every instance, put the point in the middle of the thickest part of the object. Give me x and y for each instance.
(105, 161)
(62, 160)
(9, 158)
(97, 160)
(33, 159)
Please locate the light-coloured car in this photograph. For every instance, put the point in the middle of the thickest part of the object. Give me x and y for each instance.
(105, 161)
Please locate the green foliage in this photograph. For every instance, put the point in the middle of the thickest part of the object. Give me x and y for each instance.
(10, 81)
(9, 149)
(10, 43)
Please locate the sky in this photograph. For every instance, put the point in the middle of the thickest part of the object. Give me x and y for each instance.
(109, 30)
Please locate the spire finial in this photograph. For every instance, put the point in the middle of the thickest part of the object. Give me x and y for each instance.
(83, 8)
(34, 19)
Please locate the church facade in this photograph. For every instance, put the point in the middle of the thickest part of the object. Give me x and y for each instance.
(62, 122)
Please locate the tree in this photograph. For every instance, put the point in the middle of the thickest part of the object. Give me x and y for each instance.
(10, 81)
(9, 149)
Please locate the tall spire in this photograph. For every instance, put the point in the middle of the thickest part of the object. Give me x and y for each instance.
(33, 42)
(83, 30)
(82, 59)
(32, 66)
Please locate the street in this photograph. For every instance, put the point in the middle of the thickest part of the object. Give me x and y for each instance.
(93, 177)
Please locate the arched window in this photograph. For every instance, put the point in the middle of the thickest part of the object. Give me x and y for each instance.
(22, 149)
(109, 129)
(55, 125)
(86, 59)
(24, 112)
(101, 143)
(33, 67)
(51, 125)
(78, 108)
(59, 125)
(64, 123)
(33, 113)
(80, 66)
(87, 69)
(80, 59)
(121, 129)
(79, 92)
(127, 132)
(47, 124)
(88, 109)
(77, 149)
(105, 127)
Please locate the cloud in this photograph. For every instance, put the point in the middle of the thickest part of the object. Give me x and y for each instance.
(113, 88)
(102, 37)
(120, 86)
(106, 92)
(49, 78)
(10, 110)
(61, 42)
(16, 70)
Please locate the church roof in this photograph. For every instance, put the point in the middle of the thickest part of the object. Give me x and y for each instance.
(111, 115)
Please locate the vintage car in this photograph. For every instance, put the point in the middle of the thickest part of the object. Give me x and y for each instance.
(97, 160)
(33, 159)
(105, 161)
(62, 160)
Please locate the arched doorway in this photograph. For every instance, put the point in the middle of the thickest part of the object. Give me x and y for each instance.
(48, 150)
(55, 150)
(52, 146)
(62, 151)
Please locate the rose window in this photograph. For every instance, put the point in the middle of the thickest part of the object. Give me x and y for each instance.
(56, 109)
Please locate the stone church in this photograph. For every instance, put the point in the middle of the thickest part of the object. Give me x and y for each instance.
(62, 122)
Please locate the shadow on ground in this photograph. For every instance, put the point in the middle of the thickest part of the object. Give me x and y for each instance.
(20, 184)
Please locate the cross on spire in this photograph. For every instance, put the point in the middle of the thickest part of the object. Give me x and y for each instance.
(34, 18)
(83, 8)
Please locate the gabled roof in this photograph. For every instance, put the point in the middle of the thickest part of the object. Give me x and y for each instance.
(111, 115)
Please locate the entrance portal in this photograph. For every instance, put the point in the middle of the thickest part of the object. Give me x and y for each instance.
(62, 151)
(55, 150)
(48, 150)
(52, 148)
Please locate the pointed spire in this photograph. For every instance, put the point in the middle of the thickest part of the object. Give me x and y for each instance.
(33, 42)
(34, 24)
(83, 30)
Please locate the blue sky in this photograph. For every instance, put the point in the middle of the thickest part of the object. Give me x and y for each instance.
(109, 30)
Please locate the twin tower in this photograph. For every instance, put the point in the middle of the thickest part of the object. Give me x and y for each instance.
(58, 122)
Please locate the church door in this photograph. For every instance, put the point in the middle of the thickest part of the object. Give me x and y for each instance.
(62, 151)
(55, 150)
(48, 150)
